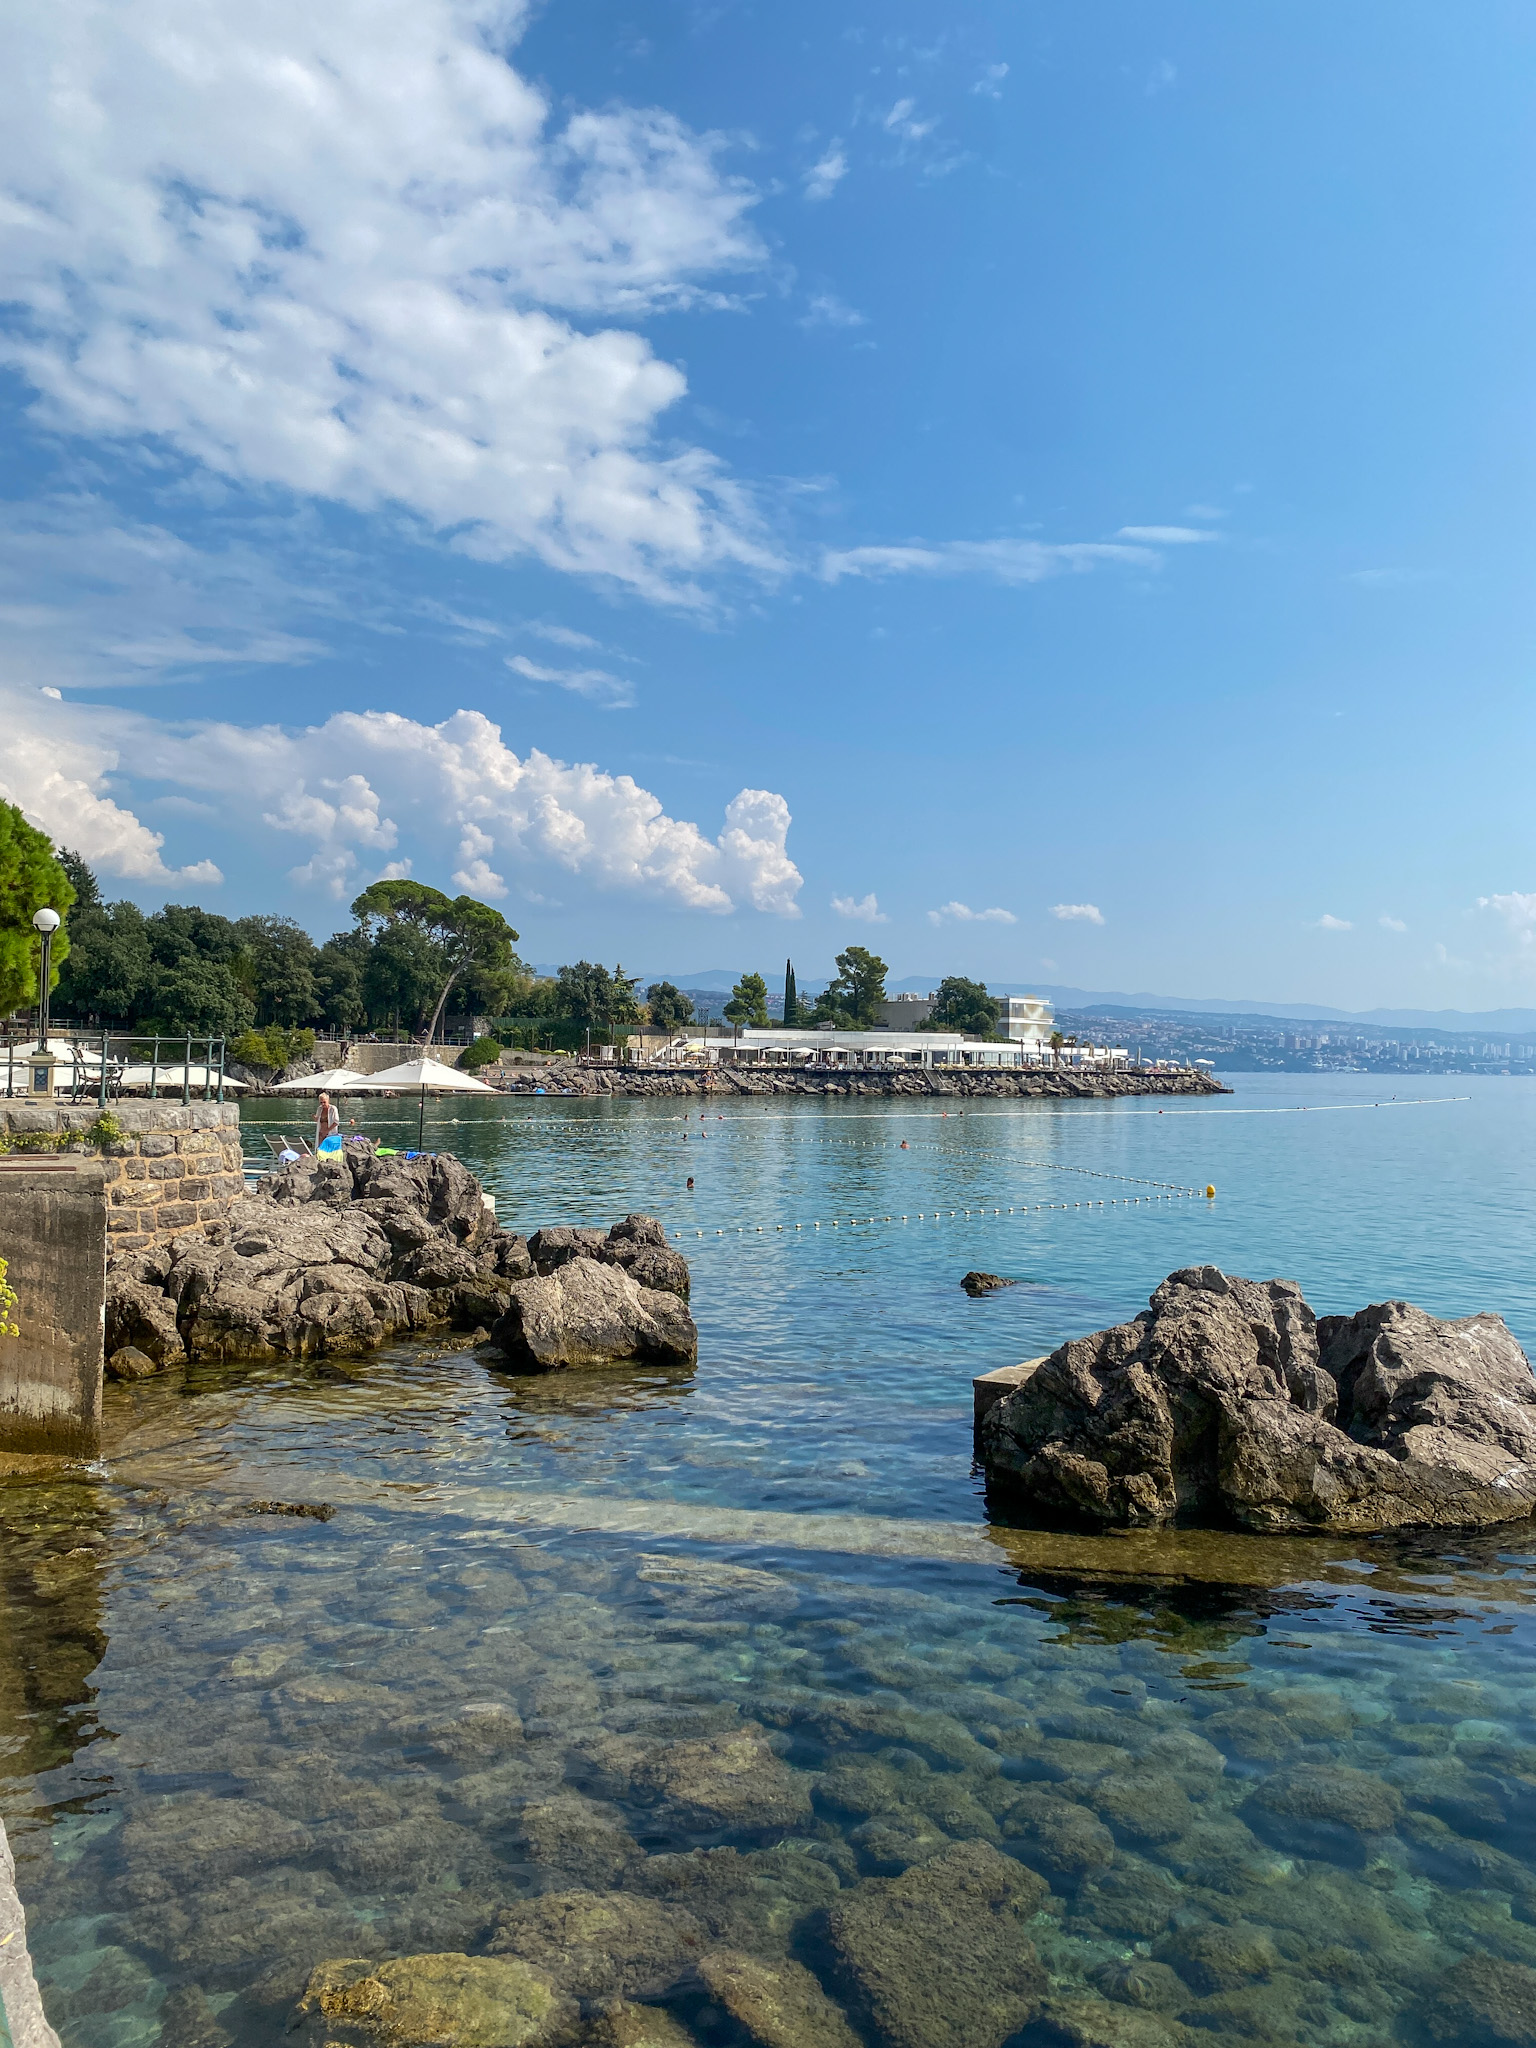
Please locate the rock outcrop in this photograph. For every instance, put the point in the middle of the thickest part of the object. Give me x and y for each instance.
(1228, 1401)
(344, 1254)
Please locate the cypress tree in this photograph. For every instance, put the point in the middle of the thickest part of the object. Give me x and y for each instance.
(791, 1003)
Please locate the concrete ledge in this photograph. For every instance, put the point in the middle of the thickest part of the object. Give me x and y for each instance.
(991, 1387)
(19, 1996)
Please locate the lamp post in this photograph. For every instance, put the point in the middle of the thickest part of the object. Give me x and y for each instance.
(46, 922)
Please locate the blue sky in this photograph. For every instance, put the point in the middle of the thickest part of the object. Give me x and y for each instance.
(1042, 491)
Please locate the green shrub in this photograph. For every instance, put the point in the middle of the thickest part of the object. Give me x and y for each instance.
(272, 1047)
(483, 1053)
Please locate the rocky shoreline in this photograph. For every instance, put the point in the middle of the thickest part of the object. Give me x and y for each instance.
(341, 1255)
(571, 1077)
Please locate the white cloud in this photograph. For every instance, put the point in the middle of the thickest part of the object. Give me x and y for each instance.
(1328, 923)
(990, 83)
(1167, 536)
(902, 120)
(332, 250)
(827, 173)
(455, 794)
(1008, 561)
(56, 773)
(866, 909)
(1518, 911)
(1082, 913)
(1391, 924)
(962, 913)
(827, 310)
(1161, 77)
(616, 692)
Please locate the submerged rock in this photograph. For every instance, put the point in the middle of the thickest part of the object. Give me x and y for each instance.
(588, 1313)
(1484, 2002)
(1227, 1400)
(344, 1253)
(940, 1957)
(434, 2001)
(780, 2005)
(595, 1944)
(985, 1283)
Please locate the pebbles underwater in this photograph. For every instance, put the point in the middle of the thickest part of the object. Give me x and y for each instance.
(411, 1774)
(404, 1784)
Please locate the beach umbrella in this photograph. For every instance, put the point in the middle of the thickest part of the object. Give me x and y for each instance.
(429, 1074)
(142, 1074)
(334, 1081)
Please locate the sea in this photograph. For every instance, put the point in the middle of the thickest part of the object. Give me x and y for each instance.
(361, 1659)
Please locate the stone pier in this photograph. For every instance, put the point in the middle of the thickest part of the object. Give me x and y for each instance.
(73, 1189)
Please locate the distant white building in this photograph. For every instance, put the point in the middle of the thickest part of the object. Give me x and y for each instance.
(797, 1048)
(1029, 1019)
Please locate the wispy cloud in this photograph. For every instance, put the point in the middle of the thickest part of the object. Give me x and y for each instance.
(1391, 924)
(615, 693)
(1079, 913)
(990, 83)
(827, 310)
(563, 636)
(902, 120)
(1518, 910)
(1329, 923)
(962, 913)
(827, 173)
(1161, 78)
(1167, 536)
(1007, 561)
(866, 909)
(1204, 512)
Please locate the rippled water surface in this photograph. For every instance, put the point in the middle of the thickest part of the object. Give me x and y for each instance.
(727, 1652)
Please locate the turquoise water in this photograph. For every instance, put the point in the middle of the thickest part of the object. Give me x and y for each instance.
(1279, 1792)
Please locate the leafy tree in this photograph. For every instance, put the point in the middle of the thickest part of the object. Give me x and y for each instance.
(341, 968)
(403, 974)
(200, 995)
(791, 995)
(749, 1003)
(670, 1009)
(961, 1005)
(277, 969)
(81, 880)
(179, 932)
(590, 996)
(110, 969)
(851, 1000)
(31, 879)
(469, 936)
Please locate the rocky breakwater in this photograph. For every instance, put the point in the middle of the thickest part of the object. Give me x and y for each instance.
(1228, 1401)
(344, 1254)
(570, 1077)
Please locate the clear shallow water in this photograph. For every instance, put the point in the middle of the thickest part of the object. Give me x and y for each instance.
(1277, 1790)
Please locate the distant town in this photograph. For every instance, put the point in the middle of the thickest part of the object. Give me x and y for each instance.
(1256, 1044)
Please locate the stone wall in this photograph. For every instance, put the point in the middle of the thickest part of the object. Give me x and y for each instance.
(53, 1238)
(174, 1168)
(373, 1055)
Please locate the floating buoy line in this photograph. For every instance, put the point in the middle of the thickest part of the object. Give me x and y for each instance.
(937, 1215)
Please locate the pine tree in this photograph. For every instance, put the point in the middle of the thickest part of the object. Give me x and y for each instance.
(791, 1001)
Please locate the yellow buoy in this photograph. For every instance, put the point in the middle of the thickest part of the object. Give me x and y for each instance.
(1210, 1191)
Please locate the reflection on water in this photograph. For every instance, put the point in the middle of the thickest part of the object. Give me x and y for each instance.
(613, 1672)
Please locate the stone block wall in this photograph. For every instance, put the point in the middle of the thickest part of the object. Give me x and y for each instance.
(174, 1168)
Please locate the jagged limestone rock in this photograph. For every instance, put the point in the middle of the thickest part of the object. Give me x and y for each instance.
(1228, 1401)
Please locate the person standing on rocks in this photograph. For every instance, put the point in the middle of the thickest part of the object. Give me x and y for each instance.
(327, 1124)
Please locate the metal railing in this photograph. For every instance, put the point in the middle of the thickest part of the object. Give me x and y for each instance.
(104, 1066)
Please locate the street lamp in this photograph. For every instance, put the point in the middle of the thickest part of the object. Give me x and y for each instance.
(47, 923)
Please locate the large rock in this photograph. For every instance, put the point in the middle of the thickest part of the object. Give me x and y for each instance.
(432, 2001)
(589, 1313)
(940, 1957)
(343, 1254)
(1227, 1400)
